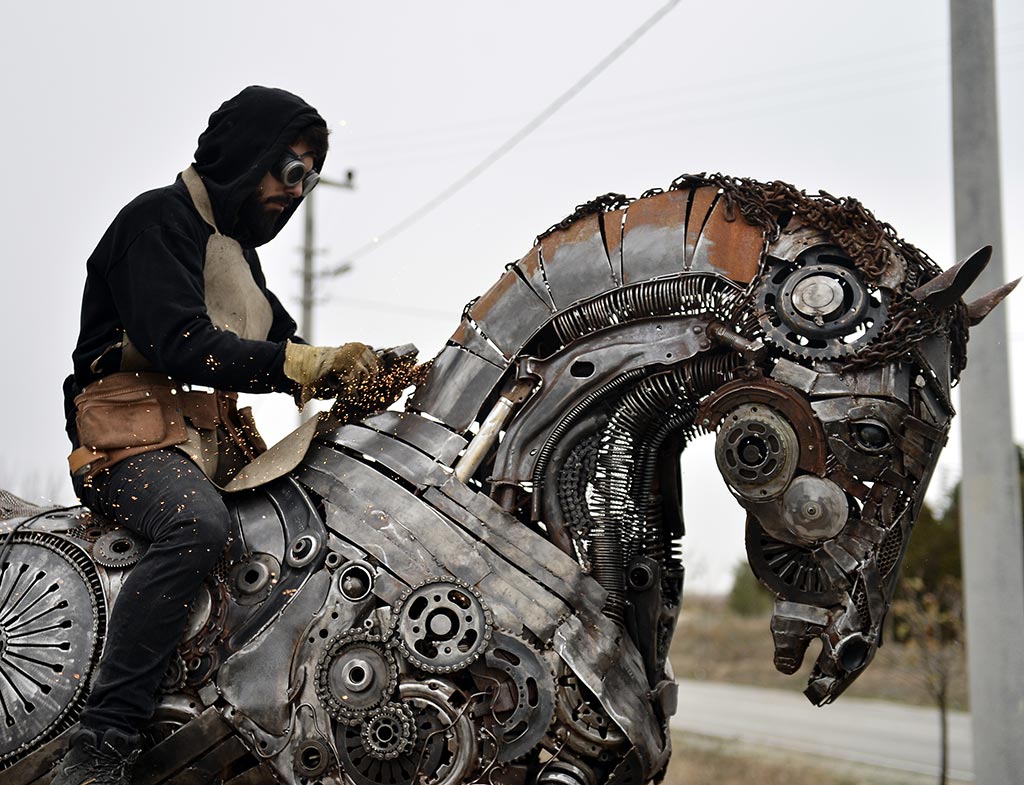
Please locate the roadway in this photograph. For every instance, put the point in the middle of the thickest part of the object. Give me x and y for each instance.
(888, 735)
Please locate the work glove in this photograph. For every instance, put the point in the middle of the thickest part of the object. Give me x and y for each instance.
(324, 371)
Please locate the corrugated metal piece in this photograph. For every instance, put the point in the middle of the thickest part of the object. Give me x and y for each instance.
(701, 202)
(532, 270)
(456, 387)
(654, 237)
(730, 248)
(509, 313)
(576, 262)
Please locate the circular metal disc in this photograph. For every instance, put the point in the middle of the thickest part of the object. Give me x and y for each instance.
(52, 617)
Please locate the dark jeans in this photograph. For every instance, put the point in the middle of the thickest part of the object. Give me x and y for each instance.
(162, 496)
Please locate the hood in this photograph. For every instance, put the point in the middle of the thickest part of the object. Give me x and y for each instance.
(244, 138)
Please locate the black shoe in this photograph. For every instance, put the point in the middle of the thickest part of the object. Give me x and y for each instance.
(94, 759)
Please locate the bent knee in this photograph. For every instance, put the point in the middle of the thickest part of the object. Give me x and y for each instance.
(198, 531)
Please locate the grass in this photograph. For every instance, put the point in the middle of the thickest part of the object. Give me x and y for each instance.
(713, 644)
(697, 760)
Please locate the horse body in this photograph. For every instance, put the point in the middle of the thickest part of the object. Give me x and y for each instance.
(483, 588)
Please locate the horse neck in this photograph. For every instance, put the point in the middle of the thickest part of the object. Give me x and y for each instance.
(677, 252)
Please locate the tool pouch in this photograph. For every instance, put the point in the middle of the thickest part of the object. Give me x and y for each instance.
(125, 414)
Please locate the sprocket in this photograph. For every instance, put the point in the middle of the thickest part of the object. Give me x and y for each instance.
(442, 626)
(388, 731)
(355, 674)
(819, 307)
(521, 684)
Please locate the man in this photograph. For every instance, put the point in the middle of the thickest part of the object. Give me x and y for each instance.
(175, 297)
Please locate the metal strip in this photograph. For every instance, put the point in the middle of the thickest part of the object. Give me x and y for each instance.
(731, 248)
(456, 387)
(509, 313)
(576, 262)
(181, 748)
(206, 769)
(425, 435)
(654, 237)
(408, 462)
(469, 337)
(532, 271)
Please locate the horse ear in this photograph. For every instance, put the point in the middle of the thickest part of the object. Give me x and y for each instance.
(980, 308)
(948, 287)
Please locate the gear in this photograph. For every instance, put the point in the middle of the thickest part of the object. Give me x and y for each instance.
(118, 549)
(583, 723)
(443, 748)
(388, 731)
(355, 674)
(757, 452)
(52, 619)
(819, 307)
(442, 626)
(522, 689)
(793, 572)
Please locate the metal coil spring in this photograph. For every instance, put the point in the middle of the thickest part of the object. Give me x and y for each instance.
(627, 463)
(683, 295)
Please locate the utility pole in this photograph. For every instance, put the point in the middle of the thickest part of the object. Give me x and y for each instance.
(990, 524)
(309, 253)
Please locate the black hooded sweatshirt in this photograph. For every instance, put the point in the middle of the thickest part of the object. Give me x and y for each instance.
(145, 277)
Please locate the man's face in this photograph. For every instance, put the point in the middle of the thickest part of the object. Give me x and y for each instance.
(274, 195)
(263, 208)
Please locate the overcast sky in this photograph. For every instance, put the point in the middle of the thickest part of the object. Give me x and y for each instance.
(106, 100)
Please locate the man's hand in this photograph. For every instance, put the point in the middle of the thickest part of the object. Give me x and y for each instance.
(321, 370)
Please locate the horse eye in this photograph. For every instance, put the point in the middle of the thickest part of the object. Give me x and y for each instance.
(872, 435)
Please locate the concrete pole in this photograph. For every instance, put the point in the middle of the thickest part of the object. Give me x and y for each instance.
(308, 253)
(993, 552)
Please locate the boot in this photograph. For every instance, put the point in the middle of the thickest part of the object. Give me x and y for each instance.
(97, 759)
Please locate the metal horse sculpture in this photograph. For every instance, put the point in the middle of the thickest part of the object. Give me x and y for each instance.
(483, 588)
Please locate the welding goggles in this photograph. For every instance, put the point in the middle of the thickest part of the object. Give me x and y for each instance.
(291, 171)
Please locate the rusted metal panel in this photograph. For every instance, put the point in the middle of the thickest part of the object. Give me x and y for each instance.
(509, 313)
(613, 223)
(576, 262)
(701, 202)
(728, 247)
(654, 237)
(456, 387)
(470, 338)
(531, 269)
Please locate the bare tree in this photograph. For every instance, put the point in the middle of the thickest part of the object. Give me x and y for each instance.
(929, 622)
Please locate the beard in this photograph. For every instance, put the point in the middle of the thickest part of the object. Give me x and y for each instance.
(256, 223)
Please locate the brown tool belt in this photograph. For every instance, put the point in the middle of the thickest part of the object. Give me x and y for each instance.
(125, 414)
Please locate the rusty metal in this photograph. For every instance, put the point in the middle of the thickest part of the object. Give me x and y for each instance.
(484, 588)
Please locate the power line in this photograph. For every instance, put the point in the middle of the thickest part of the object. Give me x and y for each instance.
(515, 139)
